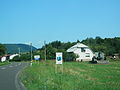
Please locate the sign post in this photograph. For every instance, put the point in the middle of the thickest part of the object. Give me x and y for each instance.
(37, 57)
(59, 60)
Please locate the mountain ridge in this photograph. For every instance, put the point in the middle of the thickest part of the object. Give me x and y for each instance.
(14, 48)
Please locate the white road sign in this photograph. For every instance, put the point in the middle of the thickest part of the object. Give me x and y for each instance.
(37, 57)
(59, 58)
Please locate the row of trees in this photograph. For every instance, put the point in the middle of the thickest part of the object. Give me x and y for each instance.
(109, 46)
(56, 46)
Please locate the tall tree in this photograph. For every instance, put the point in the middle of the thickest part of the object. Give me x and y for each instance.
(2, 49)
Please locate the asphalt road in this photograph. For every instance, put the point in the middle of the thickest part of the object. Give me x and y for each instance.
(9, 76)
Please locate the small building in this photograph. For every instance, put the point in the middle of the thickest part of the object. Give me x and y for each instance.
(7, 57)
(4, 58)
(99, 55)
(83, 52)
(14, 55)
(116, 56)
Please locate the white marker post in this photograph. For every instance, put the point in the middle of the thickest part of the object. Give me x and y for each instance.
(59, 60)
(37, 58)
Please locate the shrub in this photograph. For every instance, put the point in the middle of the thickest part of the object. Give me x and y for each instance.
(69, 56)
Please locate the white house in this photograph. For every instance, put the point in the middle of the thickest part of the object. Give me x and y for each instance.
(84, 52)
(3, 59)
(14, 55)
(7, 57)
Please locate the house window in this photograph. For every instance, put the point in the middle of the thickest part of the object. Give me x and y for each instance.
(87, 54)
(82, 49)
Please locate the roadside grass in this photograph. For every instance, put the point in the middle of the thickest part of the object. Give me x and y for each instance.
(4, 63)
(74, 76)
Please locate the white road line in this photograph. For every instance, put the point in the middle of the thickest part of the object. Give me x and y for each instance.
(3, 68)
(19, 64)
(16, 65)
(10, 66)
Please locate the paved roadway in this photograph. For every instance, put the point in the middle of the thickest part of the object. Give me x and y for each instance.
(9, 76)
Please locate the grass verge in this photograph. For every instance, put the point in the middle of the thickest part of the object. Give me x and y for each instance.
(74, 76)
(4, 63)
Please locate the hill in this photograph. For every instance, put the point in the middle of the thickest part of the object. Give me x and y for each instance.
(13, 48)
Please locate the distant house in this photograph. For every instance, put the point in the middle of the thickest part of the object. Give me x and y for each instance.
(14, 55)
(99, 55)
(4, 58)
(84, 52)
(7, 57)
(116, 56)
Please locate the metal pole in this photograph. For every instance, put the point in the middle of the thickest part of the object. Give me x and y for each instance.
(31, 51)
(45, 49)
(19, 51)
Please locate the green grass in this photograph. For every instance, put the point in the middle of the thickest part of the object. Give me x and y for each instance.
(4, 63)
(74, 76)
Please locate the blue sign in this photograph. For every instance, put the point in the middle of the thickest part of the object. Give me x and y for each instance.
(59, 58)
(37, 57)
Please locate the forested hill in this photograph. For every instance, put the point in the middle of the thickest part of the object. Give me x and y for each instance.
(14, 48)
(109, 46)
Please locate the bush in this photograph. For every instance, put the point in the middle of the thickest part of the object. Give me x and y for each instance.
(23, 57)
(16, 58)
(69, 56)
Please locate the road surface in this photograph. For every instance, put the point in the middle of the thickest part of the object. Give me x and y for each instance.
(9, 76)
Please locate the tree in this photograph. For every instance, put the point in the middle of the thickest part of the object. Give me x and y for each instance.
(2, 49)
(51, 51)
(69, 56)
(109, 46)
(23, 57)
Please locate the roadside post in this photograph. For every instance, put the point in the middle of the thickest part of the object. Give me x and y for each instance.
(31, 55)
(37, 58)
(59, 67)
(59, 61)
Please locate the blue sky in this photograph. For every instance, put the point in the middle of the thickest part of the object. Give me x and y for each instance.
(24, 21)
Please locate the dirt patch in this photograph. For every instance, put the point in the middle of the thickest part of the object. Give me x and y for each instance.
(90, 78)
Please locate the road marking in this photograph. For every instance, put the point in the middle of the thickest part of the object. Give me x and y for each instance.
(19, 85)
(10, 66)
(3, 68)
(19, 64)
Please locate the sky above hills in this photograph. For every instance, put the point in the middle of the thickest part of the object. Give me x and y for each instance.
(25, 21)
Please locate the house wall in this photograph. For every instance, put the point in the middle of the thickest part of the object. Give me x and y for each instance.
(3, 59)
(12, 56)
(84, 56)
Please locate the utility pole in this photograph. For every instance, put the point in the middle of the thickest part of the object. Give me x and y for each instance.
(19, 51)
(45, 49)
(31, 51)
